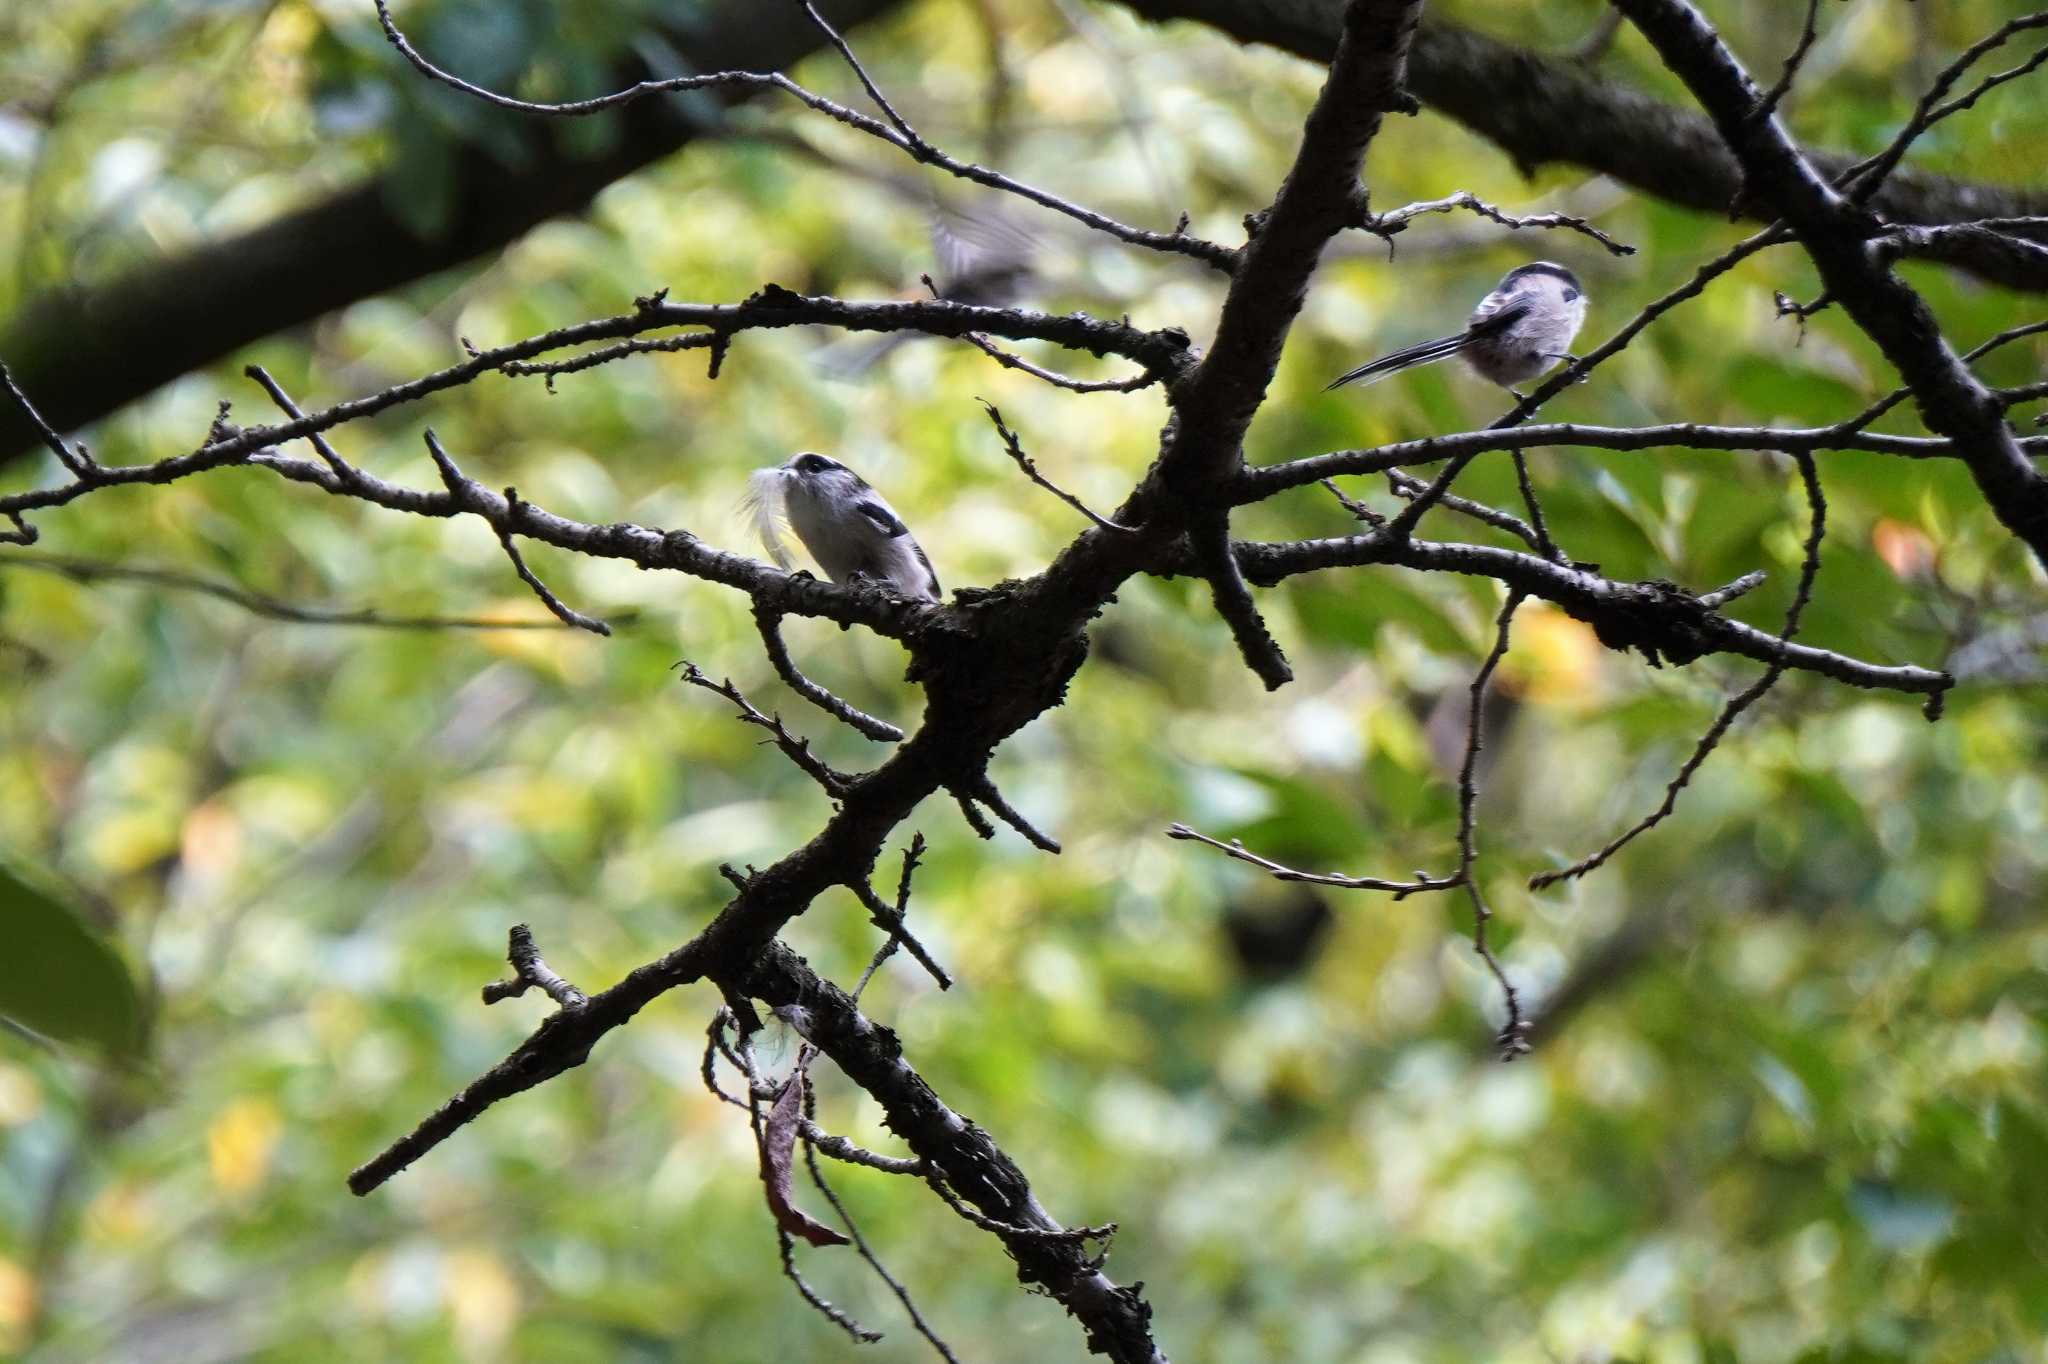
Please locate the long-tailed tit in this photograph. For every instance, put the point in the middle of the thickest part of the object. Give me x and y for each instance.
(984, 258)
(1518, 331)
(844, 523)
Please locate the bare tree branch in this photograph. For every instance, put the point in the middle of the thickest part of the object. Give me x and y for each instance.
(1542, 110)
(531, 971)
(796, 750)
(1387, 224)
(1024, 462)
(257, 603)
(1809, 567)
(464, 490)
(1400, 890)
(769, 622)
(1257, 484)
(1662, 621)
(1952, 401)
(77, 460)
(896, 133)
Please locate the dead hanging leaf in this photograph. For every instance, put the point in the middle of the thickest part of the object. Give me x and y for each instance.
(778, 1159)
(1909, 552)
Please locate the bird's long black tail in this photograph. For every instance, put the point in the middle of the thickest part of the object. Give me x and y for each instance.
(1420, 354)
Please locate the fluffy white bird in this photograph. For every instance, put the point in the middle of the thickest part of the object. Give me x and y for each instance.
(1521, 329)
(846, 525)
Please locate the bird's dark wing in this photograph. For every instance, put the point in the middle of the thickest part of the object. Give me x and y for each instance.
(1492, 321)
(884, 520)
(978, 241)
(931, 574)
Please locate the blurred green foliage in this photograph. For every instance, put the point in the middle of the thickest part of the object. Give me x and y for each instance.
(1790, 1105)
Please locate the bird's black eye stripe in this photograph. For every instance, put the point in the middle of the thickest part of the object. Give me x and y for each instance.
(814, 464)
(1570, 293)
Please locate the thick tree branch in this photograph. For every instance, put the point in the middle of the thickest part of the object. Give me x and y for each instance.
(1049, 1255)
(89, 351)
(1837, 233)
(1663, 621)
(1257, 484)
(1544, 110)
(1320, 197)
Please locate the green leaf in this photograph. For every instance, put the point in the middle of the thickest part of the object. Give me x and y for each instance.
(66, 981)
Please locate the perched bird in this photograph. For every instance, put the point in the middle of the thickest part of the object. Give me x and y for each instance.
(845, 524)
(984, 258)
(1517, 332)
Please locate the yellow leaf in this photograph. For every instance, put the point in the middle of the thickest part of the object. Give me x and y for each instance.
(1556, 659)
(240, 1142)
(484, 1299)
(21, 1096)
(17, 1303)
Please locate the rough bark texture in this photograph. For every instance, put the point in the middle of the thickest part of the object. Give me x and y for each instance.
(1838, 233)
(1543, 110)
(85, 353)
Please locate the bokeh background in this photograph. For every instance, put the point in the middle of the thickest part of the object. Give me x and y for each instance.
(1787, 1101)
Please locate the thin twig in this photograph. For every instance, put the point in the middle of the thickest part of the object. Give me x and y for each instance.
(891, 921)
(1902, 392)
(985, 791)
(786, 1247)
(462, 487)
(714, 1046)
(1742, 701)
(1012, 1229)
(1511, 1040)
(971, 812)
(79, 462)
(320, 444)
(567, 614)
(1768, 105)
(550, 370)
(917, 144)
(840, 1149)
(1386, 224)
(912, 855)
(1743, 585)
(1232, 595)
(1407, 485)
(1541, 533)
(1364, 514)
(860, 1243)
(256, 603)
(1863, 179)
(1178, 242)
(1009, 360)
(769, 622)
(1024, 462)
(795, 749)
(1401, 890)
(531, 971)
